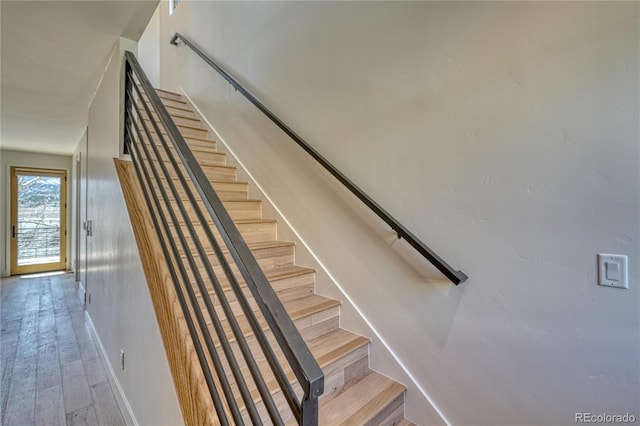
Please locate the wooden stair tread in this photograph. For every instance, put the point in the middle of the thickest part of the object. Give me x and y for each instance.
(168, 91)
(200, 140)
(168, 96)
(260, 245)
(204, 158)
(179, 125)
(186, 108)
(217, 172)
(197, 145)
(198, 149)
(176, 112)
(297, 309)
(405, 422)
(288, 272)
(164, 97)
(218, 166)
(229, 203)
(272, 274)
(163, 91)
(196, 140)
(270, 244)
(326, 349)
(200, 137)
(333, 345)
(225, 193)
(360, 400)
(243, 221)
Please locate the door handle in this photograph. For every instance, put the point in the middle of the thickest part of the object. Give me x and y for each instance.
(13, 231)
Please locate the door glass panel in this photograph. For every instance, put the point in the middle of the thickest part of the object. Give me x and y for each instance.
(38, 224)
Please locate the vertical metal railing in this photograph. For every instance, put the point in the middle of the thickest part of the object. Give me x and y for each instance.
(219, 284)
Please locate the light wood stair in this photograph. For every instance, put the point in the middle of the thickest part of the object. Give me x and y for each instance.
(354, 394)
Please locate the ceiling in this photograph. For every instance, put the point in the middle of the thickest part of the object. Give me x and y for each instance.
(53, 54)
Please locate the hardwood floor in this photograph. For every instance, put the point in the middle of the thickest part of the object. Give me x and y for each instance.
(52, 370)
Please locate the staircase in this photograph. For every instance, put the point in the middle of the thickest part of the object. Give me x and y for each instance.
(354, 394)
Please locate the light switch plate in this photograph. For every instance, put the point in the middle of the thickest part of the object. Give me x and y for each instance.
(612, 270)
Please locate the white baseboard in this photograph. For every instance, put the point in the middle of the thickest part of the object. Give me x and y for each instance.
(118, 392)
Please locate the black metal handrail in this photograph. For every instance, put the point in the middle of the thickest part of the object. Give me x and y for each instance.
(455, 276)
(153, 147)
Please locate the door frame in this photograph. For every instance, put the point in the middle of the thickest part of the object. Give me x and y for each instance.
(78, 212)
(62, 264)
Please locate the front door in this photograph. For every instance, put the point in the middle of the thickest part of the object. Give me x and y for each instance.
(38, 220)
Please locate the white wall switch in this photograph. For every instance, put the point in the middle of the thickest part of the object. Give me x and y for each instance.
(612, 270)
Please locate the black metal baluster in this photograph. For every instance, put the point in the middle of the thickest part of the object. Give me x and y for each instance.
(194, 303)
(217, 402)
(253, 321)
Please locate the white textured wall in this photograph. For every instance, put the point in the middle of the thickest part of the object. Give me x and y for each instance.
(121, 307)
(505, 135)
(8, 159)
(149, 48)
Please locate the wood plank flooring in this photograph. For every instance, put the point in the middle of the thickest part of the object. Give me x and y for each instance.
(52, 371)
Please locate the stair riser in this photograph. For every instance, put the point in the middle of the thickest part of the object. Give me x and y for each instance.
(344, 369)
(186, 132)
(185, 121)
(181, 121)
(284, 295)
(243, 210)
(196, 145)
(175, 104)
(225, 175)
(289, 287)
(219, 272)
(302, 324)
(294, 285)
(190, 132)
(216, 173)
(180, 111)
(391, 415)
(268, 258)
(278, 284)
(281, 404)
(227, 191)
(258, 232)
(251, 232)
(211, 158)
(318, 324)
(237, 209)
(163, 94)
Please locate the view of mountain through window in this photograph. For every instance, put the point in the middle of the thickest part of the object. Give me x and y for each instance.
(38, 219)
